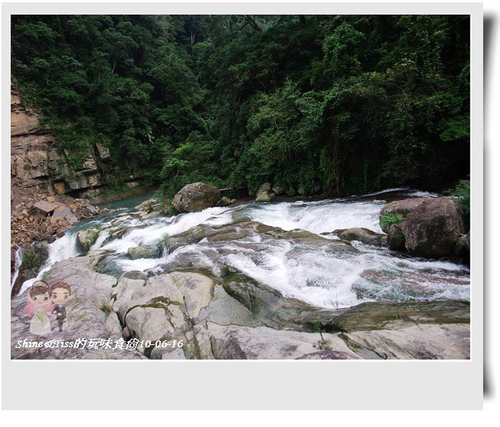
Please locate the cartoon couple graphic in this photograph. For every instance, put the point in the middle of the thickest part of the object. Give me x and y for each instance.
(44, 300)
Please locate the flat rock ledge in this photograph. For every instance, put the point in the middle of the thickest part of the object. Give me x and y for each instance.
(193, 315)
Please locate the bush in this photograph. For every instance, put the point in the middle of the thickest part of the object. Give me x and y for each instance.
(386, 220)
(30, 260)
(461, 193)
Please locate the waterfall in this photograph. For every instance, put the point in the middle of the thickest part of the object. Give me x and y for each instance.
(18, 260)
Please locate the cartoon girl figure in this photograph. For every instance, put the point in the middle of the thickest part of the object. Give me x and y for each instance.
(39, 306)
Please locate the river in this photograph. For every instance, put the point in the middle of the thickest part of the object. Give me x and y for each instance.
(317, 276)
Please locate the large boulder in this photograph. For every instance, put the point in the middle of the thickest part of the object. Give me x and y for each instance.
(86, 238)
(430, 227)
(196, 197)
(398, 209)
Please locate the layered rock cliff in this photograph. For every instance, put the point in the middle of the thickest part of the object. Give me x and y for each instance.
(37, 161)
(42, 188)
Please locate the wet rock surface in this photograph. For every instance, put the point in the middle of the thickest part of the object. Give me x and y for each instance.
(425, 227)
(199, 306)
(91, 329)
(196, 315)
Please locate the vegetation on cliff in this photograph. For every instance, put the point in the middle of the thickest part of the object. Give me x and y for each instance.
(332, 104)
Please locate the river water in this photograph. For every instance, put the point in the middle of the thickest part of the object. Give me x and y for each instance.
(317, 276)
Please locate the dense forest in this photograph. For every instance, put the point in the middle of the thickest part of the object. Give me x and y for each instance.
(332, 105)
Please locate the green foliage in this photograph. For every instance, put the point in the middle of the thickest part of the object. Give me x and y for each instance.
(461, 193)
(106, 308)
(317, 327)
(338, 104)
(386, 220)
(30, 260)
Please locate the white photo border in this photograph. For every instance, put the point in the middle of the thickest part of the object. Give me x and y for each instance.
(304, 384)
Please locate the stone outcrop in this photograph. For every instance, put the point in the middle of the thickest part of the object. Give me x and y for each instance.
(149, 209)
(363, 235)
(426, 227)
(438, 329)
(265, 193)
(399, 207)
(89, 322)
(144, 251)
(196, 197)
(36, 159)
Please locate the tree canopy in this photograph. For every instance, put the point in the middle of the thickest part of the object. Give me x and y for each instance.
(333, 104)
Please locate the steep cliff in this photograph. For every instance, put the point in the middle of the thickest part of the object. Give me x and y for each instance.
(43, 186)
(37, 161)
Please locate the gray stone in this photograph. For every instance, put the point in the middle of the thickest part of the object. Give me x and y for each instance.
(264, 194)
(224, 201)
(267, 343)
(86, 238)
(278, 190)
(228, 315)
(196, 197)
(103, 152)
(88, 319)
(430, 227)
(63, 213)
(363, 235)
(145, 251)
(399, 207)
(431, 341)
(46, 207)
(433, 228)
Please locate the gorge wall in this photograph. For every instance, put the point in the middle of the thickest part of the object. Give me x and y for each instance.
(37, 161)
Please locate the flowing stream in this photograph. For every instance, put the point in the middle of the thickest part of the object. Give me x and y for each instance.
(312, 274)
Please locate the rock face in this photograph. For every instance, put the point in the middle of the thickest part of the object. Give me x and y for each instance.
(91, 329)
(399, 207)
(265, 194)
(433, 330)
(36, 159)
(196, 197)
(192, 314)
(36, 219)
(145, 251)
(427, 227)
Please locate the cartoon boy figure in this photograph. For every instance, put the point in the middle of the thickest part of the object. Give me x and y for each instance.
(60, 294)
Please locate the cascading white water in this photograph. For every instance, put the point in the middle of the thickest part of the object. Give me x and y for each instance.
(318, 276)
(318, 217)
(17, 263)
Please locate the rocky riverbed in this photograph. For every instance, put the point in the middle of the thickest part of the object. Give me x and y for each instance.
(194, 315)
(195, 296)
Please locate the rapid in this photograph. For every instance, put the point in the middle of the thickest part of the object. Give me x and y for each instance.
(314, 275)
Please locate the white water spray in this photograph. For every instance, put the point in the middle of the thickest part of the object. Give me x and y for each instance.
(319, 276)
